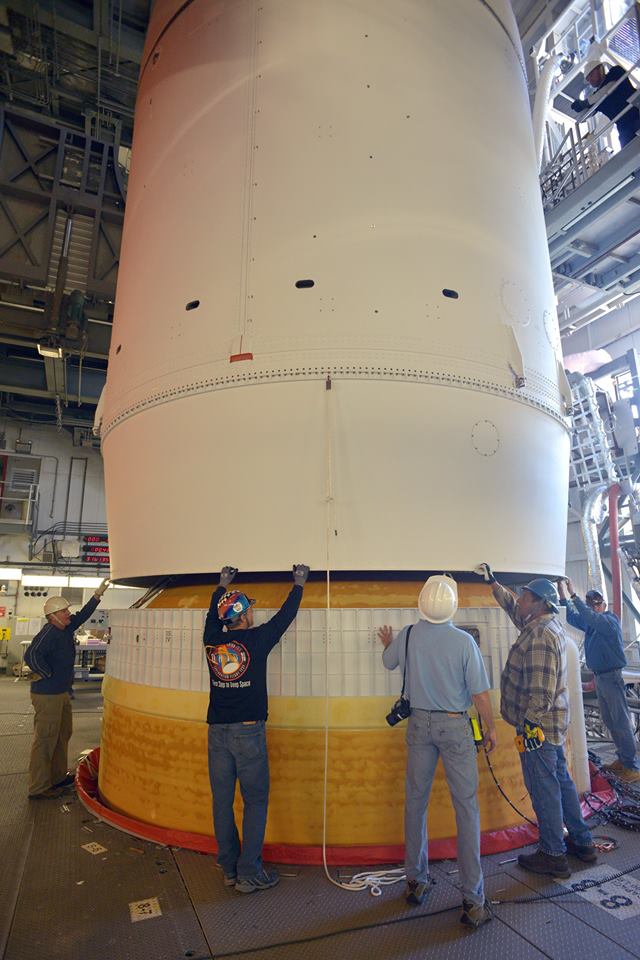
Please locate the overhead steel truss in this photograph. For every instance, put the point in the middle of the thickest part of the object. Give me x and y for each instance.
(46, 169)
(62, 200)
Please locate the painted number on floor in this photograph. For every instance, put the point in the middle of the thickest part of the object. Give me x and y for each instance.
(620, 897)
(144, 909)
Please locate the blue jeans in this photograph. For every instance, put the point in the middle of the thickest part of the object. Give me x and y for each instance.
(429, 736)
(238, 751)
(612, 701)
(554, 798)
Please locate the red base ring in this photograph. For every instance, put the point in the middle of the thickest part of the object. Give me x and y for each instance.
(493, 841)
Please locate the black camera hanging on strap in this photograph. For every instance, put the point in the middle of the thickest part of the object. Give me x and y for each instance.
(401, 708)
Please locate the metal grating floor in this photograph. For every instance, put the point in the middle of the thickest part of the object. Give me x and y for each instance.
(15, 838)
(58, 901)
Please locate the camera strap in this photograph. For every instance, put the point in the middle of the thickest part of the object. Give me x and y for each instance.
(406, 652)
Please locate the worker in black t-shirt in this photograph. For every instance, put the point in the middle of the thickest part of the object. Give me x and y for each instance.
(611, 104)
(237, 654)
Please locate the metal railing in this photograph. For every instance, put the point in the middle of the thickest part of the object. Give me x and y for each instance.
(18, 507)
(578, 158)
(591, 464)
(571, 168)
(577, 35)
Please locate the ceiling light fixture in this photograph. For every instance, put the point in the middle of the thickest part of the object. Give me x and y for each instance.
(50, 349)
(31, 580)
(85, 581)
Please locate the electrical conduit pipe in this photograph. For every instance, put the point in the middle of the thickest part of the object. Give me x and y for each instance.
(614, 540)
(588, 527)
(543, 93)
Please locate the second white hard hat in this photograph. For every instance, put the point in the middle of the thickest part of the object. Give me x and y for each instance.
(438, 600)
(589, 66)
(55, 605)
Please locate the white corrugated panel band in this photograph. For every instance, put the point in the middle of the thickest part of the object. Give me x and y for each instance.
(163, 648)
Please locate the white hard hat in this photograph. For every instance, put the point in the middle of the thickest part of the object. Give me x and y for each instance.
(438, 600)
(589, 66)
(55, 604)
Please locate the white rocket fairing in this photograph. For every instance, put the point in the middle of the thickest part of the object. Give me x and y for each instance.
(344, 191)
(344, 195)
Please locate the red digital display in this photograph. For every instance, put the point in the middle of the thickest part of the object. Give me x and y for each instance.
(92, 538)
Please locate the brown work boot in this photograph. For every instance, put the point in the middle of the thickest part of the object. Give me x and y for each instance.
(475, 914)
(417, 891)
(614, 767)
(628, 774)
(546, 863)
(49, 794)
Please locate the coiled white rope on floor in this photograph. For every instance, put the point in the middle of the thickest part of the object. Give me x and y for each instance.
(371, 880)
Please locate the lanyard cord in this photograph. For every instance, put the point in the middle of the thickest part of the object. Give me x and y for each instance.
(369, 880)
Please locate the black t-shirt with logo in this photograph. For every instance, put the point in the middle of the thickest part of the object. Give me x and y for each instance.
(237, 661)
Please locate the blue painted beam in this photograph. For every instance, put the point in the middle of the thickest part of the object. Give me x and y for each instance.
(617, 274)
(28, 377)
(558, 245)
(607, 244)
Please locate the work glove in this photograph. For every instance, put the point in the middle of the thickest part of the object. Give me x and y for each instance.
(300, 574)
(533, 736)
(226, 576)
(100, 590)
(484, 570)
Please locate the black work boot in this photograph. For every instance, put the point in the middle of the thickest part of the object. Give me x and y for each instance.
(66, 781)
(545, 863)
(585, 852)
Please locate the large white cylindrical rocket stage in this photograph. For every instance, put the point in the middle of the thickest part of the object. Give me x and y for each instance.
(335, 337)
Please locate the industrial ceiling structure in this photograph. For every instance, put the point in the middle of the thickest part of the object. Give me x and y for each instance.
(68, 80)
(74, 61)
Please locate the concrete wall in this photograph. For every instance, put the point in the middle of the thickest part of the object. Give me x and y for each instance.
(62, 466)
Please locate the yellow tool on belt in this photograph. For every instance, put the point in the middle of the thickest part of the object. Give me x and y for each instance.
(476, 730)
(531, 739)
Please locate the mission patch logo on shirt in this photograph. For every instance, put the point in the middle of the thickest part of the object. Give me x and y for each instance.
(229, 661)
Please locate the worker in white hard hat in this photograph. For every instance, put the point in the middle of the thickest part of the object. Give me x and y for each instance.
(534, 699)
(444, 675)
(51, 656)
(601, 78)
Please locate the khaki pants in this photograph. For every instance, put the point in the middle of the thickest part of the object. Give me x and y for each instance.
(52, 728)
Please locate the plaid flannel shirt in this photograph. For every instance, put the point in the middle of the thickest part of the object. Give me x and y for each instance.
(534, 681)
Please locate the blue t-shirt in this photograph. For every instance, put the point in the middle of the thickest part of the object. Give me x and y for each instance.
(444, 669)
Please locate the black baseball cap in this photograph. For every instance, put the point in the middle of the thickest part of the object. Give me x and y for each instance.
(593, 596)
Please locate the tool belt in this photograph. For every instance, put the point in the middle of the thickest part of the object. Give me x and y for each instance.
(531, 738)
